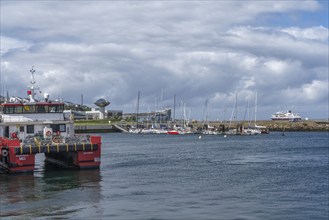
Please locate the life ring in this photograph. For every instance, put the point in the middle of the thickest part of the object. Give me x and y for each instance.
(14, 135)
(48, 133)
(4, 153)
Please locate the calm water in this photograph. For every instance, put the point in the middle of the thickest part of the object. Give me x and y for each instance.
(182, 177)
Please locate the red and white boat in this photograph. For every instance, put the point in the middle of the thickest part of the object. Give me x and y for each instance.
(286, 116)
(29, 126)
(173, 132)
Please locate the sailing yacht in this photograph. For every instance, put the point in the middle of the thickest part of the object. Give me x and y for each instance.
(256, 129)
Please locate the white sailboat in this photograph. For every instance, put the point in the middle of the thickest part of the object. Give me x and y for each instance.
(136, 130)
(257, 129)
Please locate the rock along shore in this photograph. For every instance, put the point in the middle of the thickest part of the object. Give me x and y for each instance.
(305, 125)
(309, 125)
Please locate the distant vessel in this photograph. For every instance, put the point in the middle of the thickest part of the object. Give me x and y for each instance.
(173, 132)
(286, 116)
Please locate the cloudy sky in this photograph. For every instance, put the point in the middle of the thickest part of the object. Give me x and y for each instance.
(196, 51)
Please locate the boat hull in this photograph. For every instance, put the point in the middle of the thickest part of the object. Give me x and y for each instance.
(173, 132)
(17, 158)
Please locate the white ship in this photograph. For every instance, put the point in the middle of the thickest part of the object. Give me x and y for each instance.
(286, 116)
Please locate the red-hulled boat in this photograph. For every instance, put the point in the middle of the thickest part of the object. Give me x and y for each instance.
(29, 126)
(173, 132)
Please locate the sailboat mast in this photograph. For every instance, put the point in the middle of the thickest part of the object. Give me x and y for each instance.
(155, 111)
(207, 111)
(0, 85)
(161, 99)
(174, 107)
(137, 110)
(236, 107)
(256, 108)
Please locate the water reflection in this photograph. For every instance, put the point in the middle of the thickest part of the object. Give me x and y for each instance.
(48, 193)
(13, 188)
(62, 179)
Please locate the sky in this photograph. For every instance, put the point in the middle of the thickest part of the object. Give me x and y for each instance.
(212, 57)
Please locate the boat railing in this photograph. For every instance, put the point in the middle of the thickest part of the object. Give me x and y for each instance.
(15, 119)
(34, 118)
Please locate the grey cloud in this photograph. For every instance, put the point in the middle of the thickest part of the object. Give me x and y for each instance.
(194, 50)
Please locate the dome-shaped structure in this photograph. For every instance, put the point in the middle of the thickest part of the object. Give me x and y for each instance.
(102, 102)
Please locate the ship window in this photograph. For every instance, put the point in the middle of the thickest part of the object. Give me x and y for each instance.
(21, 128)
(62, 128)
(19, 109)
(59, 127)
(7, 131)
(55, 128)
(9, 109)
(56, 108)
(53, 108)
(41, 109)
(30, 129)
(32, 108)
(13, 109)
(61, 108)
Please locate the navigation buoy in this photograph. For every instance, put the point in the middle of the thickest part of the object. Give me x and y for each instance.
(225, 136)
(200, 137)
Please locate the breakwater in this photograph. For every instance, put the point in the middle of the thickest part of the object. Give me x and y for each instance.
(306, 125)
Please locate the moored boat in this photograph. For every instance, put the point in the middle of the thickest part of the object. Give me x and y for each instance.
(251, 131)
(173, 132)
(29, 126)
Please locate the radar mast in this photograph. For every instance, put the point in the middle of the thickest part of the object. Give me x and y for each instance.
(32, 76)
(31, 89)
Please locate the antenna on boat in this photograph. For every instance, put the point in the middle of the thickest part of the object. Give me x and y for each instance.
(32, 75)
(31, 89)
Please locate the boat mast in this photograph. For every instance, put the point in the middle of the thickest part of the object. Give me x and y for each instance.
(256, 109)
(1, 85)
(31, 88)
(205, 112)
(174, 107)
(161, 100)
(236, 107)
(137, 110)
(182, 111)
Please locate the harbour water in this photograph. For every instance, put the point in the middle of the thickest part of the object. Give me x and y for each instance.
(182, 177)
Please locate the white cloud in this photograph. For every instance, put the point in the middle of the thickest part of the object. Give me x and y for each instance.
(309, 93)
(314, 33)
(9, 44)
(194, 50)
(269, 41)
